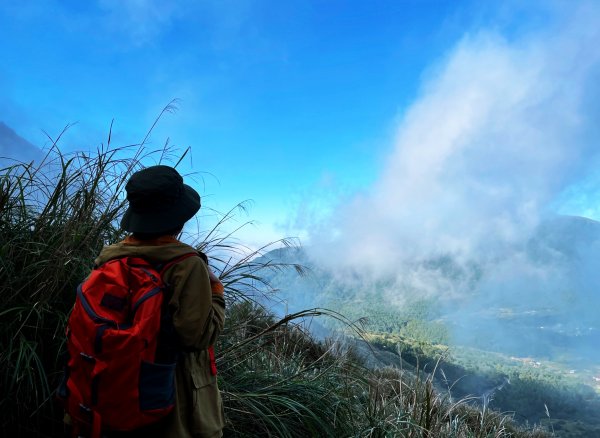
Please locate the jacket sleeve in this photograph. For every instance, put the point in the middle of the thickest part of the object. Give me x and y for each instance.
(197, 307)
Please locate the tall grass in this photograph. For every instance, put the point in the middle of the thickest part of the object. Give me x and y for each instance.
(276, 380)
(55, 216)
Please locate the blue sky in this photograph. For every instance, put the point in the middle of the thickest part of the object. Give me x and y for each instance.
(300, 105)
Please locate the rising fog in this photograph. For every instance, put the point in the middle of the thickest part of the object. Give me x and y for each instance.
(501, 128)
(502, 137)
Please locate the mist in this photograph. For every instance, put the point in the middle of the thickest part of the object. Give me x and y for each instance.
(499, 141)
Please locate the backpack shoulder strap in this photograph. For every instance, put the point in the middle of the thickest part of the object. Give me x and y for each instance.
(162, 268)
(169, 348)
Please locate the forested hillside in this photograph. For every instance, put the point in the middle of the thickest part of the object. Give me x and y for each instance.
(547, 354)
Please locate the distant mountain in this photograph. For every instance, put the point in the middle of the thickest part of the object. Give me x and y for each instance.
(540, 297)
(571, 236)
(14, 147)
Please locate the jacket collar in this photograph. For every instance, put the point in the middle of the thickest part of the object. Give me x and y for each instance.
(162, 240)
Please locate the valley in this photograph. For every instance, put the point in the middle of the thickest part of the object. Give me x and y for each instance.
(518, 343)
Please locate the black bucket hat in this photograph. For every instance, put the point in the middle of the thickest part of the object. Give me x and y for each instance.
(159, 201)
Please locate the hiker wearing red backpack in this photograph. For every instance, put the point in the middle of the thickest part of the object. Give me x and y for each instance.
(140, 337)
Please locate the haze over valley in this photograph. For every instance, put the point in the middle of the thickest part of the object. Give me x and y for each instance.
(530, 309)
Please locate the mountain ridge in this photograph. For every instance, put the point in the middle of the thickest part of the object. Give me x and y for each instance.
(14, 148)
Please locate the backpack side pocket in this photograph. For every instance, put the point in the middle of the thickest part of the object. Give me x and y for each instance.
(157, 386)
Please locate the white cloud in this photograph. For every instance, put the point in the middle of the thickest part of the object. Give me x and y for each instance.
(497, 132)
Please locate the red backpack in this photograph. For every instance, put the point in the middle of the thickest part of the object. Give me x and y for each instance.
(112, 380)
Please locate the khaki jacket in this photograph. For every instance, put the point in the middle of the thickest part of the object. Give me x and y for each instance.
(198, 310)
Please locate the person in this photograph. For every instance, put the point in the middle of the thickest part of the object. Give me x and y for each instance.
(159, 206)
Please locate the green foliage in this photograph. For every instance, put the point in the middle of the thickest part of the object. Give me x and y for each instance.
(277, 380)
(540, 392)
(53, 218)
(537, 393)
